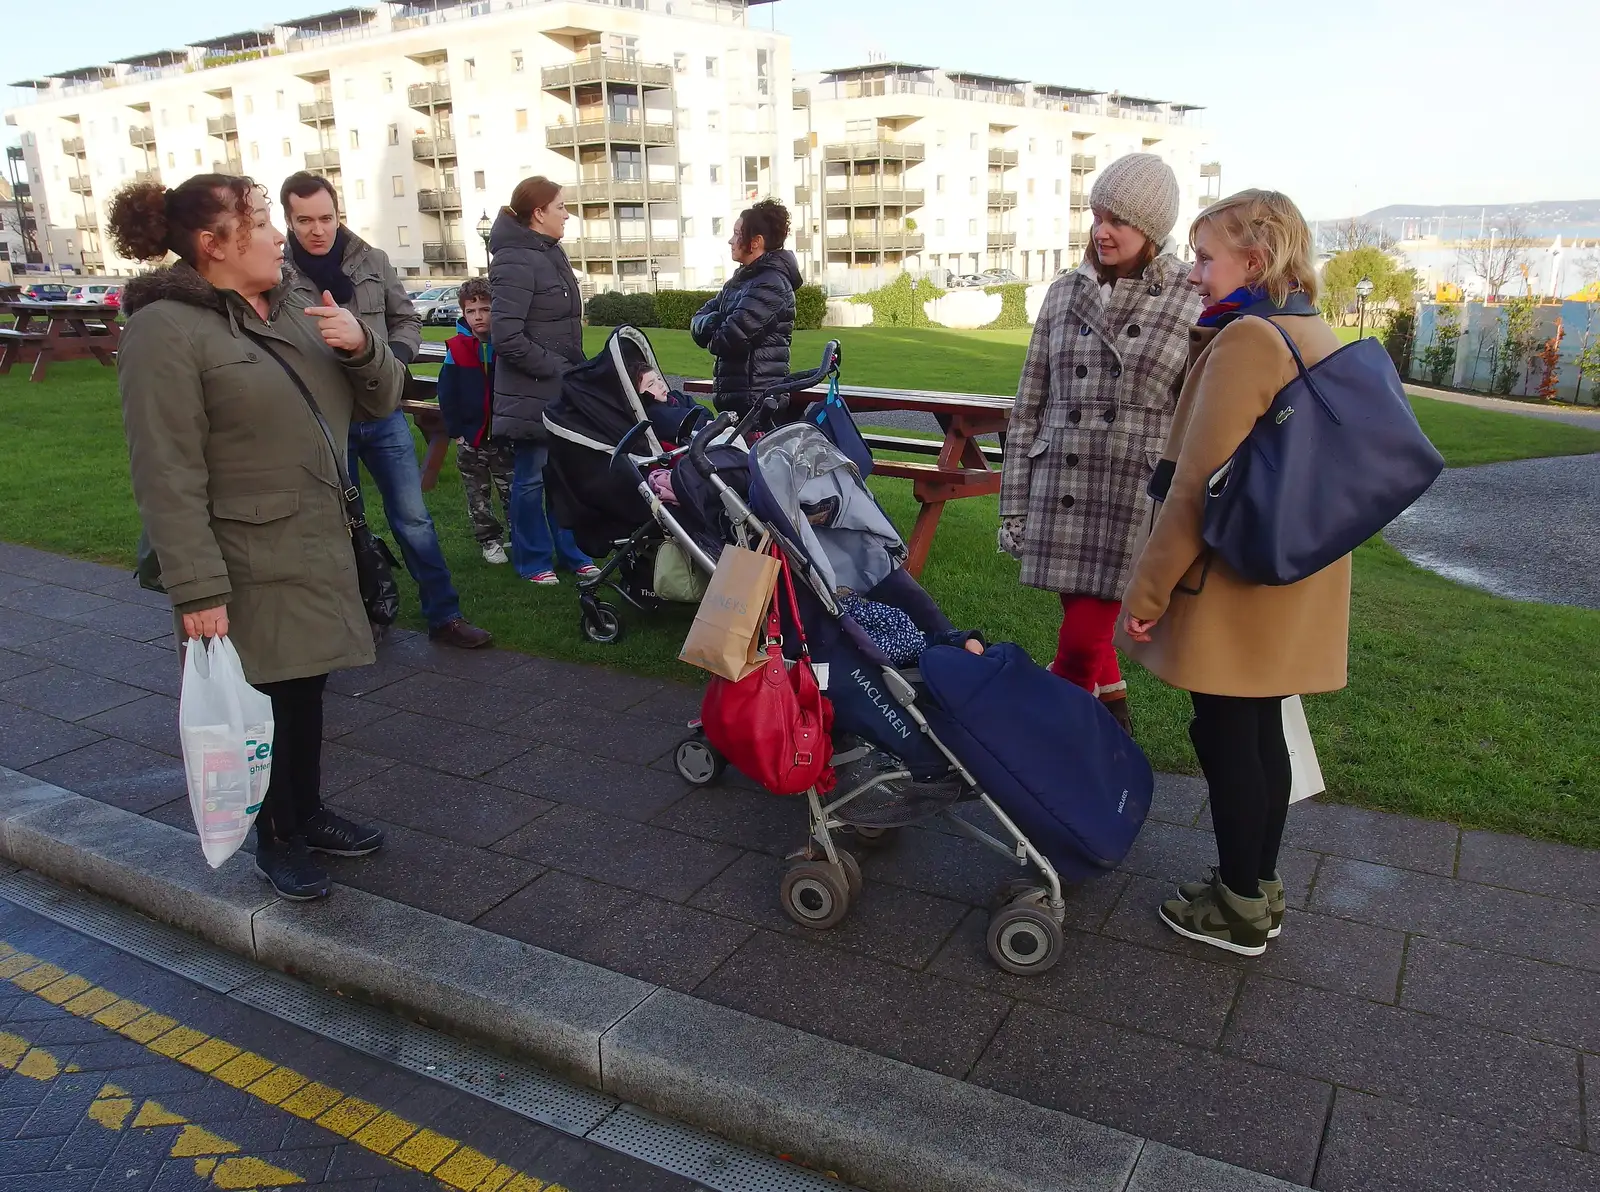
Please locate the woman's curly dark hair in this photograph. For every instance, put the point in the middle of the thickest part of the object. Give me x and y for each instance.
(768, 219)
(147, 221)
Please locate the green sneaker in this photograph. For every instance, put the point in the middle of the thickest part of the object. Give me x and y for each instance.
(1273, 890)
(1219, 917)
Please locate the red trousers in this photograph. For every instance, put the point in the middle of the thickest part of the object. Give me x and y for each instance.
(1084, 653)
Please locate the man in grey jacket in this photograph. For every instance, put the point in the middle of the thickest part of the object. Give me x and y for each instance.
(324, 255)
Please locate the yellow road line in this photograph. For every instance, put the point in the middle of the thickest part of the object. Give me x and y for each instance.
(368, 1126)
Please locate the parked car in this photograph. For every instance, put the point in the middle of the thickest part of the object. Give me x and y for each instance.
(46, 291)
(967, 280)
(998, 277)
(97, 295)
(443, 314)
(429, 298)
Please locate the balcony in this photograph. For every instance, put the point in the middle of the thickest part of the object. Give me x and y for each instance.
(623, 190)
(142, 137)
(438, 200)
(428, 95)
(875, 150)
(72, 146)
(599, 132)
(877, 241)
(322, 159)
(147, 175)
(433, 148)
(1079, 201)
(93, 259)
(631, 248)
(1004, 158)
(1002, 200)
(802, 196)
(232, 166)
(320, 112)
(86, 223)
(874, 196)
(802, 146)
(605, 68)
(1082, 163)
(1211, 169)
(800, 97)
(80, 185)
(1002, 240)
(1207, 200)
(1077, 242)
(222, 126)
(444, 252)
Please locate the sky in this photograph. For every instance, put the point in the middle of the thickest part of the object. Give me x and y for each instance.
(1346, 107)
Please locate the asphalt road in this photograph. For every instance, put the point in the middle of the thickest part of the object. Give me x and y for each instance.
(1529, 530)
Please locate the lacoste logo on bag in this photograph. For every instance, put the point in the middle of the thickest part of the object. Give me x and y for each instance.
(1284, 415)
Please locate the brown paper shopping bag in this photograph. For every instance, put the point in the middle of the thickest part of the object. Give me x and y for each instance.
(725, 638)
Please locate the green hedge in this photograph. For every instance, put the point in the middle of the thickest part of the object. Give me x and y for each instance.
(899, 304)
(612, 309)
(1013, 306)
(674, 308)
(810, 305)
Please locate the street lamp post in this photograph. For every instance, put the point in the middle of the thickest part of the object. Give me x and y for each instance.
(1363, 290)
(655, 275)
(483, 234)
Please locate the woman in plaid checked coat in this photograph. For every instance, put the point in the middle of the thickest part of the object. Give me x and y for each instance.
(1095, 402)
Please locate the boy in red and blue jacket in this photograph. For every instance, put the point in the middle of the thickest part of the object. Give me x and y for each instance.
(466, 402)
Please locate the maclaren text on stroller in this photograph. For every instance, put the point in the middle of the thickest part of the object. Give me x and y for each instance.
(1066, 787)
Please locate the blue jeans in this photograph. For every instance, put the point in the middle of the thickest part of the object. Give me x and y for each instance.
(386, 447)
(536, 540)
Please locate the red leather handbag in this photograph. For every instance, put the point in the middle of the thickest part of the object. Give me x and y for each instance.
(775, 724)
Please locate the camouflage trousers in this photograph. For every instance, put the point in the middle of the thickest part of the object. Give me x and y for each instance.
(485, 471)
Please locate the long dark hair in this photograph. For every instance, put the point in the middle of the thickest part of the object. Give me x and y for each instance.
(147, 221)
(1109, 276)
(768, 219)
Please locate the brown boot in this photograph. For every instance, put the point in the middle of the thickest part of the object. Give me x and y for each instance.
(462, 634)
(1117, 705)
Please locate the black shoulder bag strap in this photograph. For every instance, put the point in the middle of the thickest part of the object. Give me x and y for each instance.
(375, 563)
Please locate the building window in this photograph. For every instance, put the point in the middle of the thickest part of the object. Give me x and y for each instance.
(469, 68)
(1058, 186)
(972, 227)
(278, 100)
(517, 64)
(255, 151)
(249, 106)
(711, 68)
(355, 138)
(197, 157)
(399, 185)
(938, 184)
(938, 138)
(474, 126)
(680, 63)
(1033, 145)
(172, 162)
(938, 227)
(716, 175)
(1030, 227)
(386, 84)
(972, 141)
(191, 113)
(349, 88)
(685, 174)
(763, 72)
(1061, 147)
(361, 188)
(477, 181)
(716, 225)
(972, 184)
(688, 228)
(394, 134)
(1058, 227)
(1030, 185)
(165, 122)
(522, 119)
(288, 148)
(402, 236)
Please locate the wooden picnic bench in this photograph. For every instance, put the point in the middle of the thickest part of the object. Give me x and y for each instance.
(71, 331)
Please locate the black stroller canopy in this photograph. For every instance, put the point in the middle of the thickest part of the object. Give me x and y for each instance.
(599, 402)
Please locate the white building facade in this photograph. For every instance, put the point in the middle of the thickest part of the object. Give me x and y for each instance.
(905, 166)
(660, 116)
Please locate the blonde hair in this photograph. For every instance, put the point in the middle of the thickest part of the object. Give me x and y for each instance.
(1269, 223)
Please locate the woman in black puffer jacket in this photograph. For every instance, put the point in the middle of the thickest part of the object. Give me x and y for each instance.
(748, 326)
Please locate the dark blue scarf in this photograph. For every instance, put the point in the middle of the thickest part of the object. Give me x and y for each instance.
(1254, 300)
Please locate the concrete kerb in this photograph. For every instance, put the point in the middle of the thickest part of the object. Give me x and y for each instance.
(879, 1123)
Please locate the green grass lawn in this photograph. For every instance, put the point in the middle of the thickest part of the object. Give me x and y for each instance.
(1462, 706)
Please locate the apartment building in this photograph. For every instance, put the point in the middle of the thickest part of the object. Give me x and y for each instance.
(662, 117)
(907, 166)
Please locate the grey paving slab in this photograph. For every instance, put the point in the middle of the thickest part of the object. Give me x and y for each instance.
(10, 583)
(1377, 1145)
(734, 815)
(27, 738)
(644, 937)
(1163, 1168)
(343, 767)
(154, 666)
(133, 621)
(1525, 997)
(117, 772)
(459, 809)
(54, 602)
(936, 863)
(415, 650)
(22, 629)
(364, 680)
(921, 1019)
(67, 694)
(615, 736)
(456, 749)
(128, 590)
(434, 875)
(1336, 954)
(1399, 840)
(177, 814)
(1194, 1099)
(1107, 979)
(888, 923)
(57, 569)
(1173, 854)
(13, 664)
(675, 703)
(879, 1123)
(343, 714)
(551, 1006)
(620, 853)
(1409, 1057)
(597, 687)
(616, 788)
(1461, 912)
(151, 721)
(1178, 799)
(459, 701)
(1536, 866)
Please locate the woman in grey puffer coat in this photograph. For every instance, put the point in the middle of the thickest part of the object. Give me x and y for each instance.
(748, 327)
(536, 324)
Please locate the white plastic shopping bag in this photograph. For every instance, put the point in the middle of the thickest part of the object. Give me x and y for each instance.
(225, 726)
(1302, 753)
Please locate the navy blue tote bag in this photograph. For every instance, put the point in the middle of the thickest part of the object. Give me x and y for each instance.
(1336, 458)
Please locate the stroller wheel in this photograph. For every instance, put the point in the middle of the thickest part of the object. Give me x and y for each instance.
(852, 871)
(697, 763)
(815, 894)
(1024, 940)
(600, 623)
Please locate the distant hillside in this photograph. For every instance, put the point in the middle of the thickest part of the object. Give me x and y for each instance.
(1548, 217)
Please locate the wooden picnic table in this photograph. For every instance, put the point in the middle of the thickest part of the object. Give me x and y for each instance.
(71, 331)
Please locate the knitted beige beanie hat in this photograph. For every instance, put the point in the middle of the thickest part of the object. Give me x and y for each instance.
(1139, 189)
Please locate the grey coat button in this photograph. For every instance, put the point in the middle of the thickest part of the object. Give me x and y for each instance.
(1082, 370)
(1067, 502)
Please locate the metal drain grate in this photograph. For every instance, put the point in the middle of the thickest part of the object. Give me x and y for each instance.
(719, 1165)
(163, 946)
(507, 1082)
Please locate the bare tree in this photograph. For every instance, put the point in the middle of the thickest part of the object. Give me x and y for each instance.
(1350, 234)
(1499, 257)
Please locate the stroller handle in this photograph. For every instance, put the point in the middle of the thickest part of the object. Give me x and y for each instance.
(777, 398)
(622, 453)
(698, 444)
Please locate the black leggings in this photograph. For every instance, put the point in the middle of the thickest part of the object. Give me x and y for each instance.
(295, 792)
(1240, 745)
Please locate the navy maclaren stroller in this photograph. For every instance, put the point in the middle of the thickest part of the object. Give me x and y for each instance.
(1066, 787)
